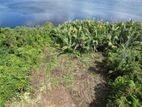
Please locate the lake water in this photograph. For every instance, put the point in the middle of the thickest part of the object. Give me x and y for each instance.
(35, 12)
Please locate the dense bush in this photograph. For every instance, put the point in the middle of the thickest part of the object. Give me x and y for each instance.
(125, 69)
(83, 36)
(20, 51)
(125, 93)
(79, 36)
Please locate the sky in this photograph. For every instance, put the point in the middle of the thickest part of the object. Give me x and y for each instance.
(33, 12)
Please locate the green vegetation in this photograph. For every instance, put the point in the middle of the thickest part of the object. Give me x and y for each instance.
(21, 50)
(121, 44)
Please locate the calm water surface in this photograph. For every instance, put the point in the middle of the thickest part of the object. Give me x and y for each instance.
(36, 12)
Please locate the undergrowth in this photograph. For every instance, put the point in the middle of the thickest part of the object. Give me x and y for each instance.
(21, 50)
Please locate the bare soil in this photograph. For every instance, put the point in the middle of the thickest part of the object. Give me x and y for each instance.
(80, 84)
(88, 89)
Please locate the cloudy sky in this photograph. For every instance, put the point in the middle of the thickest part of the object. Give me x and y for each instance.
(32, 12)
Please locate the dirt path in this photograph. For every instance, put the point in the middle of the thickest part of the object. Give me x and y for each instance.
(88, 88)
(73, 82)
(102, 88)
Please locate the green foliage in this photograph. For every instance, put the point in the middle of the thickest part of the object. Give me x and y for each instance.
(124, 61)
(122, 33)
(125, 67)
(21, 50)
(84, 36)
(81, 36)
(125, 93)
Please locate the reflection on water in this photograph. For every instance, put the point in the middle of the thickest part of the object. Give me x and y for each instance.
(35, 12)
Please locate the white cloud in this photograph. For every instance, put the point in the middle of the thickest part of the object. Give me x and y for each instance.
(60, 10)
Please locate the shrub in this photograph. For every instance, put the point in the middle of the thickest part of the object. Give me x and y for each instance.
(81, 36)
(21, 50)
